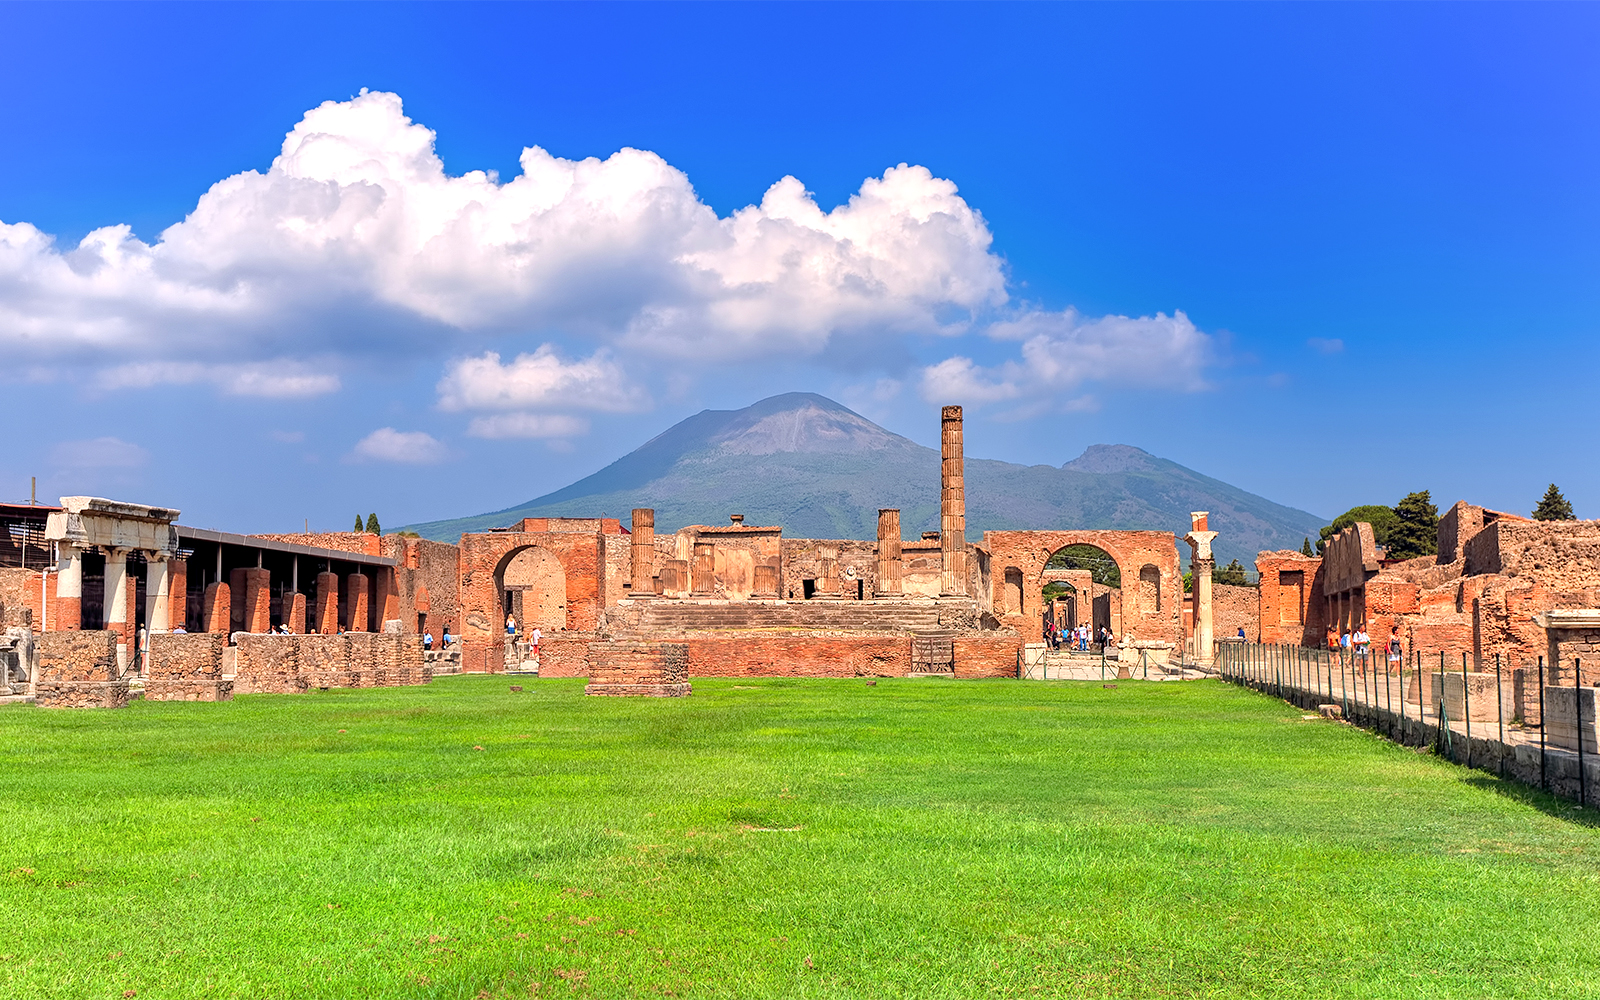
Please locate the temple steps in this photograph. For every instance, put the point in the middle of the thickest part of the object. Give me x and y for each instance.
(851, 616)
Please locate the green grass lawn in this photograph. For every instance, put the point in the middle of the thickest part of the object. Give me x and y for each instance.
(773, 838)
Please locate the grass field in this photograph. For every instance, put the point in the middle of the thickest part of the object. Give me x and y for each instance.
(773, 838)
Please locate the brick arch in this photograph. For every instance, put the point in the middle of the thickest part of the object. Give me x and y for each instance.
(484, 559)
(1133, 551)
(536, 583)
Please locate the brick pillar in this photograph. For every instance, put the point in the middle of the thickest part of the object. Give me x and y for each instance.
(217, 609)
(257, 600)
(356, 595)
(116, 599)
(295, 612)
(68, 609)
(889, 567)
(328, 603)
(388, 601)
(644, 551)
(178, 593)
(952, 506)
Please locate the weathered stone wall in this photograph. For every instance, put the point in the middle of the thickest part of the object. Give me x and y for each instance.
(187, 668)
(267, 664)
(1563, 556)
(987, 655)
(79, 670)
(340, 541)
(838, 568)
(19, 598)
(1152, 602)
(640, 669)
(1233, 608)
(582, 560)
(799, 656)
(1291, 606)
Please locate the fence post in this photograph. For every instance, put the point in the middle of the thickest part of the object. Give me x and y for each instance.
(1500, 714)
(1543, 783)
(1466, 706)
(1577, 718)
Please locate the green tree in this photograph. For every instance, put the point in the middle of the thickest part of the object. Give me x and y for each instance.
(1231, 575)
(1554, 507)
(1102, 568)
(1381, 518)
(358, 526)
(1305, 547)
(372, 525)
(1416, 532)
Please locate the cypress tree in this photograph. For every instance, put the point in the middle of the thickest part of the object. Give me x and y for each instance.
(358, 526)
(372, 525)
(1554, 507)
(1305, 547)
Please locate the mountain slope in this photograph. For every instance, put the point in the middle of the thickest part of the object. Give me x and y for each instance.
(822, 471)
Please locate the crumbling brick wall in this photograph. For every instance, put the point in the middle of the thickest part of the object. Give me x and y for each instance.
(640, 669)
(1233, 608)
(987, 655)
(800, 655)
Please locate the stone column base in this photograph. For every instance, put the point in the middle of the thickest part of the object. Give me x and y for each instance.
(81, 694)
(161, 689)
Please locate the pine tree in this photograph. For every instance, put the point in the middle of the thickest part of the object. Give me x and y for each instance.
(372, 525)
(358, 526)
(1416, 531)
(1231, 575)
(1554, 507)
(1305, 547)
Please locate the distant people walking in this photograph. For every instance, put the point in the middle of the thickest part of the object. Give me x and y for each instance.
(1362, 641)
(1394, 646)
(1333, 639)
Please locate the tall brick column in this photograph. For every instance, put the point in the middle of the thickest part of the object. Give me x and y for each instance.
(356, 595)
(388, 598)
(952, 506)
(328, 603)
(217, 608)
(238, 621)
(1201, 563)
(294, 612)
(644, 551)
(178, 593)
(889, 568)
(69, 590)
(257, 601)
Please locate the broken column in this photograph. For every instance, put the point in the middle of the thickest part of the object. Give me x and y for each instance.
(952, 507)
(69, 589)
(1201, 563)
(257, 601)
(644, 551)
(328, 603)
(889, 577)
(356, 596)
(217, 608)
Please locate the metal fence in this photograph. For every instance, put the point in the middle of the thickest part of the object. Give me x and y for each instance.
(1417, 699)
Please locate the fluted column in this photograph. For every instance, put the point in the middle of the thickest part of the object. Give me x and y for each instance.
(1201, 563)
(643, 552)
(889, 565)
(952, 506)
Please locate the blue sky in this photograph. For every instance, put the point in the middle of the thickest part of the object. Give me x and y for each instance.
(1330, 253)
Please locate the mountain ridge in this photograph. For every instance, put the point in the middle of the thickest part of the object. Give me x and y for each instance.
(821, 470)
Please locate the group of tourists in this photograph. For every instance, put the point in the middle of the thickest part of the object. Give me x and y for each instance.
(1359, 643)
(427, 639)
(1078, 638)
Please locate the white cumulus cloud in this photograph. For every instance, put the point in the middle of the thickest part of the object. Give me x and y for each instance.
(1062, 351)
(274, 379)
(357, 217)
(540, 379)
(389, 445)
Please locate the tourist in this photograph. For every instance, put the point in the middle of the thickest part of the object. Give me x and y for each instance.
(1241, 634)
(511, 625)
(534, 638)
(1344, 641)
(427, 642)
(1394, 648)
(448, 638)
(1362, 641)
(180, 630)
(1333, 639)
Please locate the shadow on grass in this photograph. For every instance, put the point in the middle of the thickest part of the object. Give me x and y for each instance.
(1535, 798)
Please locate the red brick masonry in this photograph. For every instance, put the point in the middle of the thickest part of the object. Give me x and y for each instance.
(638, 669)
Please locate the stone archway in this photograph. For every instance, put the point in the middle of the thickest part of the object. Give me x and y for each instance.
(1146, 600)
(532, 585)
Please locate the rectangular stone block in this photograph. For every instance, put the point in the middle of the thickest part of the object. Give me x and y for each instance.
(1479, 689)
(638, 669)
(195, 656)
(177, 689)
(78, 657)
(81, 694)
(1563, 726)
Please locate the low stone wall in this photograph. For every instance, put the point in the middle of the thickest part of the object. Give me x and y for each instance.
(987, 655)
(800, 656)
(267, 664)
(187, 667)
(79, 670)
(638, 669)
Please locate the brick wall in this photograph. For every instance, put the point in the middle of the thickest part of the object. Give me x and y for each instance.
(187, 668)
(987, 655)
(800, 656)
(267, 664)
(639, 669)
(79, 670)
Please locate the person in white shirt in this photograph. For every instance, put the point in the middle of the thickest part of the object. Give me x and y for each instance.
(535, 637)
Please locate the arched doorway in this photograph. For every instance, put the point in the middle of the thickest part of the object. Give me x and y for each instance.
(533, 588)
(1082, 585)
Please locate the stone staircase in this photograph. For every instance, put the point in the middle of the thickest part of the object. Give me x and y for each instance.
(830, 616)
